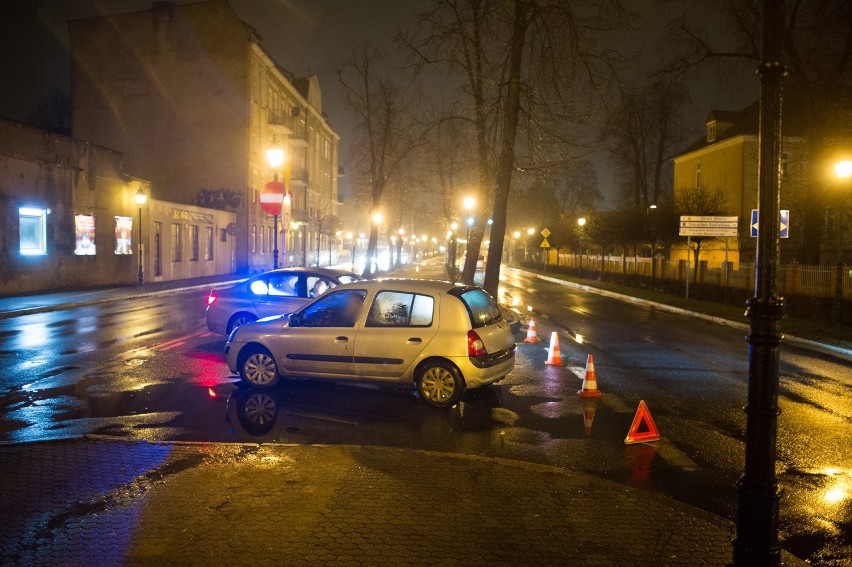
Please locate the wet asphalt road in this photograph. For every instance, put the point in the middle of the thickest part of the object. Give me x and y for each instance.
(148, 368)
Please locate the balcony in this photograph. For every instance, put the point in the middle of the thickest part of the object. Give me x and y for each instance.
(280, 121)
(298, 136)
(299, 177)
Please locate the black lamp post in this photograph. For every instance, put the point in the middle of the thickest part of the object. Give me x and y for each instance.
(141, 198)
(756, 542)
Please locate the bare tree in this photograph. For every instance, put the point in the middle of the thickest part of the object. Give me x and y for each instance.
(388, 134)
(521, 51)
(642, 133)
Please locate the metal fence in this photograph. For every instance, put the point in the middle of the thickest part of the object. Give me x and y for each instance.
(793, 279)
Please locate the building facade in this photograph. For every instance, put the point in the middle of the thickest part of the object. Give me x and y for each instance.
(725, 160)
(69, 219)
(192, 99)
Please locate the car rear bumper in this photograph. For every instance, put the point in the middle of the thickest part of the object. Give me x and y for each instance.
(476, 377)
(215, 323)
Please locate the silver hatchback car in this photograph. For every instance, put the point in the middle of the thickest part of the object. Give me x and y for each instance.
(272, 293)
(441, 337)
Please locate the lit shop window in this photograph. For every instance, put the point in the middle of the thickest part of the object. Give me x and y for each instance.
(123, 235)
(33, 231)
(84, 235)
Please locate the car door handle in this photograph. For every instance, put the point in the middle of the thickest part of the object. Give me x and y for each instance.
(341, 340)
(414, 341)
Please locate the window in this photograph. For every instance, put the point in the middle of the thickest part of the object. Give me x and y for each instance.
(482, 308)
(317, 285)
(698, 174)
(711, 131)
(208, 251)
(262, 239)
(254, 238)
(254, 196)
(177, 245)
(223, 235)
(280, 285)
(337, 309)
(84, 235)
(158, 248)
(33, 231)
(193, 243)
(398, 309)
(326, 149)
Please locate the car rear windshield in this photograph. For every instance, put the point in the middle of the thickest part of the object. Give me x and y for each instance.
(482, 307)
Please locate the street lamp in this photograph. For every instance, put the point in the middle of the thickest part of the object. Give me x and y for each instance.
(843, 171)
(141, 198)
(275, 157)
(581, 222)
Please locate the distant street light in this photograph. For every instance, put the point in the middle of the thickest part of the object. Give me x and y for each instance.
(581, 221)
(378, 217)
(141, 198)
(516, 234)
(469, 203)
(843, 170)
(530, 231)
(653, 207)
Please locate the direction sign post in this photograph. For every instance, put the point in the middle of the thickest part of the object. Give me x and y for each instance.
(784, 231)
(708, 227)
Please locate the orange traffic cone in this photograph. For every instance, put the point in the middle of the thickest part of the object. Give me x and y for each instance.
(590, 381)
(554, 355)
(532, 335)
(590, 406)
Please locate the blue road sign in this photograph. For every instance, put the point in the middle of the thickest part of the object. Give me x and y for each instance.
(785, 223)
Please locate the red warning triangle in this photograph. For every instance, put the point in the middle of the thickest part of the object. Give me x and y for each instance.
(634, 436)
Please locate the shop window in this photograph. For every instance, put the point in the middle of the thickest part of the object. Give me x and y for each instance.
(33, 231)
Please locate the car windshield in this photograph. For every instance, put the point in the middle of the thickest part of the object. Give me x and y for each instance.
(482, 308)
(348, 278)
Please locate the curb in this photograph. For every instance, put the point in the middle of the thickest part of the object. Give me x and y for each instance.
(110, 299)
(845, 354)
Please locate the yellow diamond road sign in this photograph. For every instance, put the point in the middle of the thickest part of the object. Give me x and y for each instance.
(545, 233)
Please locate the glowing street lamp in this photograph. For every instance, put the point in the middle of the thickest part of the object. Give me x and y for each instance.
(581, 221)
(843, 169)
(378, 217)
(530, 231)
(141, 198)
(275, 157)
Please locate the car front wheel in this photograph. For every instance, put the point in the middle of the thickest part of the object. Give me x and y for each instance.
(258, 368)
(440, 384)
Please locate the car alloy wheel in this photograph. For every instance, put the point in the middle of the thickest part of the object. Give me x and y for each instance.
(260, 409)
(440, 385)
(241, 320)
(259, 369)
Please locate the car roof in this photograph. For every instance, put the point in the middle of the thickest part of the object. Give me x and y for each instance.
(331, 272)
(403, 284)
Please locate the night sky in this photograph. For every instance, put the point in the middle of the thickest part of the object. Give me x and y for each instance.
(312, 36)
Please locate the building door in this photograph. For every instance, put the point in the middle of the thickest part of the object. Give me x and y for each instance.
(158, 249)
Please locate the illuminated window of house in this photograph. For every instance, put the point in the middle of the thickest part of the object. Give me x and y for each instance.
(254, 238)
(33, 231)
(711, 131)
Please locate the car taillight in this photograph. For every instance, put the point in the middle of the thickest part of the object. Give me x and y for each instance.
(211, 299)
(475, 346)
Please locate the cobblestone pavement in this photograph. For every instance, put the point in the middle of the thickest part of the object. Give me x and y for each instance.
(110, 502)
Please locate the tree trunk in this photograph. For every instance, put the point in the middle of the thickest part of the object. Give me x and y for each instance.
(506, 162)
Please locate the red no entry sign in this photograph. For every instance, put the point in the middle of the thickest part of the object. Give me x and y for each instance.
(271, 197)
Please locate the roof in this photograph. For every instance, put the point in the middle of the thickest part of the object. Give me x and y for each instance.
(746, 122)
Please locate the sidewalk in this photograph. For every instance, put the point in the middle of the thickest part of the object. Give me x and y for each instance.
(57, 301)
(110, 502)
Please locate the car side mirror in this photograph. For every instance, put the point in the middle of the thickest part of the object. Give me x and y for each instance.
(295, 320)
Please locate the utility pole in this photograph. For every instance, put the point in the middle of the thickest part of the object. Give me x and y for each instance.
(756, 542)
